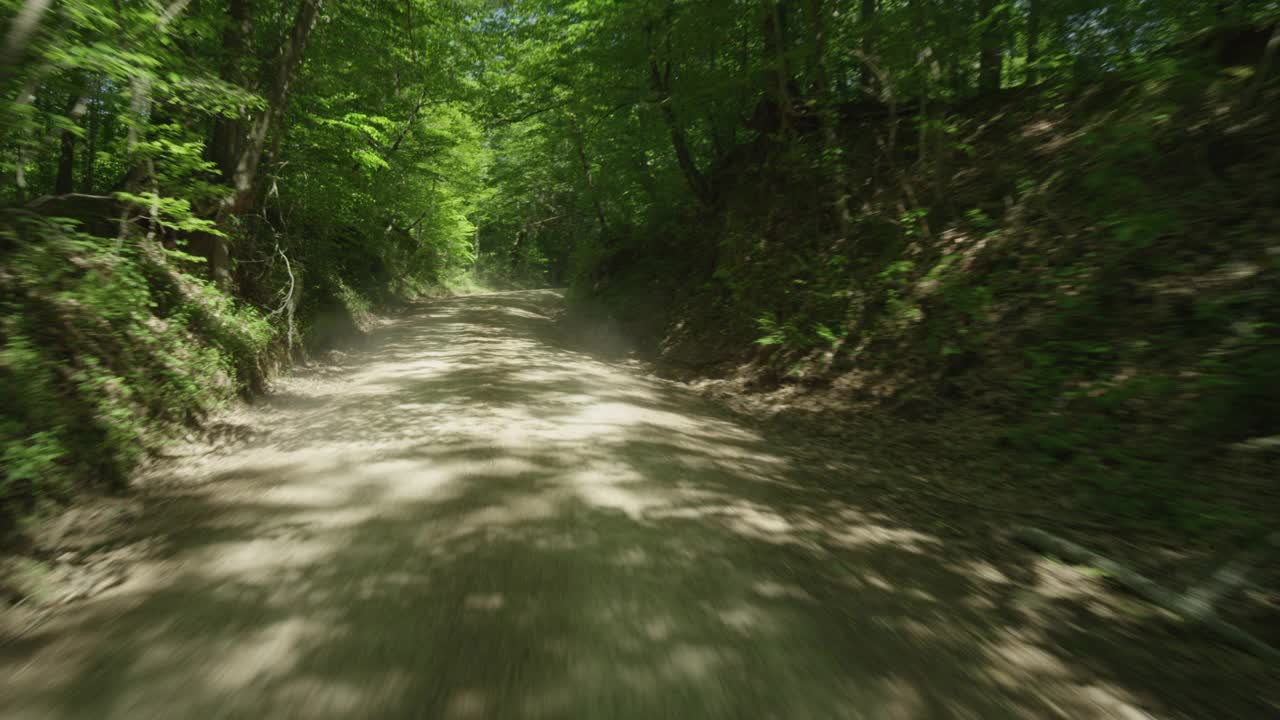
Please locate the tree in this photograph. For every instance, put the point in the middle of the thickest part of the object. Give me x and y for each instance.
(991, 56)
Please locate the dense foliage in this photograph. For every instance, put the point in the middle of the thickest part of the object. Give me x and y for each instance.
(1058, 212)
(196, 189)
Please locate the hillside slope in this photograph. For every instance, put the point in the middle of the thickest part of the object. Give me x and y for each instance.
(1094, 276)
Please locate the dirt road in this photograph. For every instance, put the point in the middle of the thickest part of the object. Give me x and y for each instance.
(468, 520)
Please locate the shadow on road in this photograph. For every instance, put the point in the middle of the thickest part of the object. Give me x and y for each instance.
(471, 520)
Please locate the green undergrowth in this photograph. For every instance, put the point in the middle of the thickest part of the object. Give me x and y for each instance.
(110, 349)
(1098, 269)
(105, 352)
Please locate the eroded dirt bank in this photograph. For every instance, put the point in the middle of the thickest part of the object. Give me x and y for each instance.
(469, 520)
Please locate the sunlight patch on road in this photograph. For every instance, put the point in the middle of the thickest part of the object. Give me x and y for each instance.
(262, 559)
(269, 651)
(871, 535)
(606, 486)
(484, 601)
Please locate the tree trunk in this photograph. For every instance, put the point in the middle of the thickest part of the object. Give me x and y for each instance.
(475, 252)
(660, 84)
(579, 141)
(778, 77)
(87, 159)
(697, 182)
(224, 147)
(137, 117)
(408, 123)
(64, 183)
(646, 175)
(249, 150)
(817, 48)
(1263, 72)
(834, 151)
(136, 173)
(990, 57)
(867, 13)
(1033, 41)
(21, 28)
(291, 51)
(26, 96)
(718, 141)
